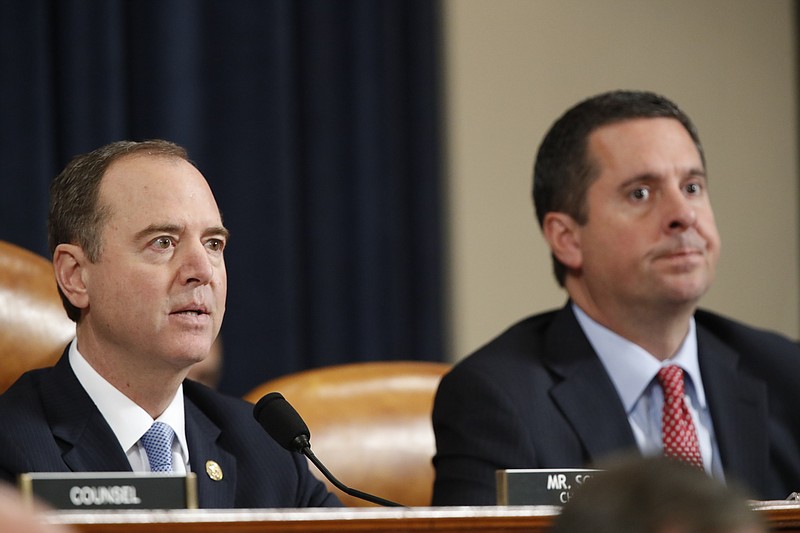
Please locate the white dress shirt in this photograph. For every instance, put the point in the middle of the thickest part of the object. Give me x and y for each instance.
(128, 421)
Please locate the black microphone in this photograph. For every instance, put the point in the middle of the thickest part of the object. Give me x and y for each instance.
(288, 429)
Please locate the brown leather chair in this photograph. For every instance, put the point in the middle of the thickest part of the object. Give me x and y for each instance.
(370, 424)
(34, 328)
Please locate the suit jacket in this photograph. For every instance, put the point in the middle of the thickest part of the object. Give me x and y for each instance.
(48, 423)
(538, 396)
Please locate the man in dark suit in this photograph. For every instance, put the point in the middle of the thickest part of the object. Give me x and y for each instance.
(620, 195)
(138, 253)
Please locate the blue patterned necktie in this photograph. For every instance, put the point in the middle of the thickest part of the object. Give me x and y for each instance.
(157, 442)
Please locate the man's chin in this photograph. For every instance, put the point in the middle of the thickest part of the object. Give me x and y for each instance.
(688, 296)
(188, 356)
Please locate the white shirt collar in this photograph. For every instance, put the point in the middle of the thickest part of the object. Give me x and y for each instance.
(632, 368)
(128, 421)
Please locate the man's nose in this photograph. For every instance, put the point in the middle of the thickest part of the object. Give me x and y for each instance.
(680, 211)
(196, 265)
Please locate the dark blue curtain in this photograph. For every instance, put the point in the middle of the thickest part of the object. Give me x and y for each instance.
(316, 123)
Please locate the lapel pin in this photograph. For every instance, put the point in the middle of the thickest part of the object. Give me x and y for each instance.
(213, 470)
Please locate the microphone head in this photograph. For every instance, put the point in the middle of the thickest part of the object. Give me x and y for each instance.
(282, 422)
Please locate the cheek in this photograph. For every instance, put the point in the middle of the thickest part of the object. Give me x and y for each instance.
(707, 227)
(615, 240)
(619, 254)
(604, 255)
(221, 282)
(134, 289)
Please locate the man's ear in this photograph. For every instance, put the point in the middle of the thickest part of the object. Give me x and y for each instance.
(69, 265)
(562, 234)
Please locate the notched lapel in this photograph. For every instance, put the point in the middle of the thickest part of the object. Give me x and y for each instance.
(586, 395)
(738, 406)
(591, 404)
(213, 491)
(96, 448)
(87, 442)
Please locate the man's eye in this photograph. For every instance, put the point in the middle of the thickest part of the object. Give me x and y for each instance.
(641, 193)
(215, 245)
(163, 243)
(693, 188)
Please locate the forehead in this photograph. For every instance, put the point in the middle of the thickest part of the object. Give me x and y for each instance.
(643, 142)
(147, 186)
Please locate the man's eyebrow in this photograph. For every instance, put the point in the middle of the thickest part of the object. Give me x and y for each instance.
(698, 172)
(173, 229)
(644, 177)
(159, 228)
(648, 177)
(220, 231)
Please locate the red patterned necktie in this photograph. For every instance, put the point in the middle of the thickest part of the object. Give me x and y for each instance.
(677, 429)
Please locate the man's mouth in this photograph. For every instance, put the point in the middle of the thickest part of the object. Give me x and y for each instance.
(193, 310)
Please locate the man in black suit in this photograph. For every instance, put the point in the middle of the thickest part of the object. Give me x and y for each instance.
(620, 191)
(138, 253)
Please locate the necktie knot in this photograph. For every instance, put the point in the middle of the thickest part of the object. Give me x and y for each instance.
(157, 443)
(671, 380)
(677, 429)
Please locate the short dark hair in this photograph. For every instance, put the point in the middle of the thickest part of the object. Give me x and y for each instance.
(563, 171)
(75, 214)
(648, 495)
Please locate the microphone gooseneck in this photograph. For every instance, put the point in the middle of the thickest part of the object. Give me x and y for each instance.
(285, 425)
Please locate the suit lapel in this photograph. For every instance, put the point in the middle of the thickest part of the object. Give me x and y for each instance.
(89, 445)
(206, 455)
(87, 442)
(589, 401)
(738, 406)
(586, 395)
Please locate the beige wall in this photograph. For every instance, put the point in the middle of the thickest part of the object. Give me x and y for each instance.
(513, 66)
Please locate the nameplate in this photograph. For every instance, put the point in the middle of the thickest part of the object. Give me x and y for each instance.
(111, 490)
(539, 486)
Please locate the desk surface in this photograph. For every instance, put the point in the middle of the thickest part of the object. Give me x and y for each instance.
(780, 516)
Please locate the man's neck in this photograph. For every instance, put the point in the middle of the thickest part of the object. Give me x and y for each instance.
(659, 331)
(152, 389)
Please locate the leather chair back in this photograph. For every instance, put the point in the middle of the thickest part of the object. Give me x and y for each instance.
(370, 425)
(34, 328)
